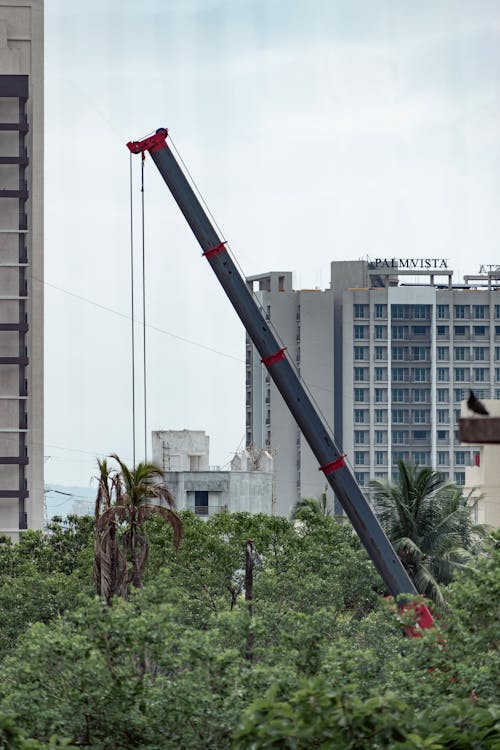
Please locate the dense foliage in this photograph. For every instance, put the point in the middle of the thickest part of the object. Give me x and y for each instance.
(430, 525)
(167, 668)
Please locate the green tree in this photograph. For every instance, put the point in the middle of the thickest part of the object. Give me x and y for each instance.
(311, 506)
(126, 498)
(429, 524)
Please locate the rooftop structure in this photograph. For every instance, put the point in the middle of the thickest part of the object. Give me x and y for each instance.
(184, 457)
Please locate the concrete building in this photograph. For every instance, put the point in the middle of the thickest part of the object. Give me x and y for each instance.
(21, 265)
(204, 489)
(388, 353)
(482, 479)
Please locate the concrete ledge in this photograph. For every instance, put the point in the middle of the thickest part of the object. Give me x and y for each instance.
(479, 430)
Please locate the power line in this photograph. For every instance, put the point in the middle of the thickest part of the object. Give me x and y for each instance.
(127, 317)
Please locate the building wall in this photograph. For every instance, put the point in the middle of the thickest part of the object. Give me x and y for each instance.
(184, 457)
(483, 481)
(392, 356)
(21, 267)
(303, 323)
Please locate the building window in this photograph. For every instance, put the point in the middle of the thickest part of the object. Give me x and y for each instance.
(497, 353)
(443, 416)
(442, 395)
(497, 374)
(462, 311)
(479, 374)
(420, 458)
(419, 416)
(399, 332)
(399, 416)
(419, 353)
(420, 395)
(399, 312)
(359, 457)
(380, 311)
(461, 458)
(399, 374)
(480, 330)
(443, 312)
(359, 373)
(380, 352)
(380, 332)
(398, 394)
(479, 312)
(443, 374)
(398, 353)
(460, 477)
(497, 312)
(381, 395)
(442, 331)
(359, 415)
(420, 374)
(201, 502)
(460, 330)
(461, 353)
(420, 330)
(360, 311)
(360, 332)
(443, 353)
(380, 416)
(360, 437)
(380, 437)
(399, 437)
(443, 458)
(381, 458)
(360, 477)
(420, 434)
(420, 312)
(443, 436)
(380, 374)
(359, 394)
(400, 456)
(359, 352)
(459, 394)
(461, 374)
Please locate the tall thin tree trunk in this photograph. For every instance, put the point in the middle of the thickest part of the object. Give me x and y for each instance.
(249, 563)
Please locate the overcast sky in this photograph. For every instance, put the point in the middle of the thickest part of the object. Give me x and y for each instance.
(316, 130)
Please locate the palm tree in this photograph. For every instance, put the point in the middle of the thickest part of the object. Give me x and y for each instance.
(429, 524)
(126, 498)
(311, 507)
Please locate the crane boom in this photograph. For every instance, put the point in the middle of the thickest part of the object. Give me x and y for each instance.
(330, 460)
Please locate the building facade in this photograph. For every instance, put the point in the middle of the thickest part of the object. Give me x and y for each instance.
(388, 352)
(21, 265)
(247, 486)
(482, 479)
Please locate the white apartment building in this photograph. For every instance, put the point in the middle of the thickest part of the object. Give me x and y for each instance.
(21, 265)
(388, 352)
(245, 486)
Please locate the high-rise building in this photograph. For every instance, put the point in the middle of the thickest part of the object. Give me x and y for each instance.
(21, 265)
(388, 353)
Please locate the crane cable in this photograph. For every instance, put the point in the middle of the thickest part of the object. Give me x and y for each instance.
(132, 307)
(144, 310)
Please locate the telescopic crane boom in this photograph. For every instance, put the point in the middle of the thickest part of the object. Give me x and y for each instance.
(330, 460)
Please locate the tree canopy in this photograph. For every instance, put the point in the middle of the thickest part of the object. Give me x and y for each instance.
(166, 668)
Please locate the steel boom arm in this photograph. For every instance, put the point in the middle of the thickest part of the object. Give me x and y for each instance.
(316, 433)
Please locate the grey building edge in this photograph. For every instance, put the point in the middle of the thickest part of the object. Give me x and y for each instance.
(388, 354)
(21, 266)
(17, 87)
